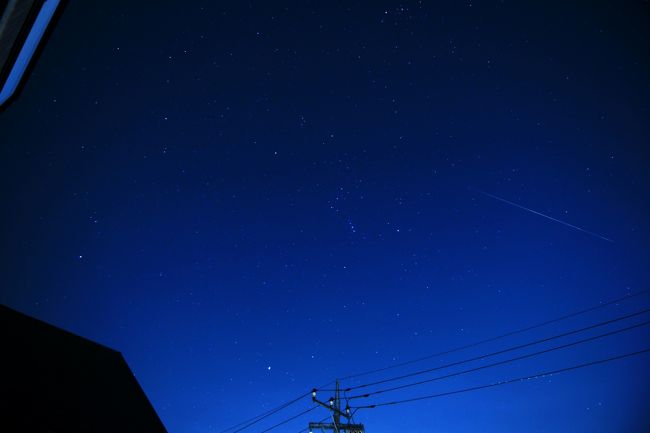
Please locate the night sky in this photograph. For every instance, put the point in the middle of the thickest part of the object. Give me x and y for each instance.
(251, 199)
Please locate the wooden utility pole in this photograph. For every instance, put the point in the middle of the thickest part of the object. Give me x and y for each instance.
(334, 406)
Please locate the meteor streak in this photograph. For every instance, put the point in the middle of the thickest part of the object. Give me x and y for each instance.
(487, 194)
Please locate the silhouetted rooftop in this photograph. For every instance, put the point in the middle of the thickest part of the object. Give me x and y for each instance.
(55, 381)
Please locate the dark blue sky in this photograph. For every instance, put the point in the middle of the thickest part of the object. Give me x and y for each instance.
(249, 200)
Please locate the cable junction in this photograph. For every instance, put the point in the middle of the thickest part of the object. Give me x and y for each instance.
(254, 420)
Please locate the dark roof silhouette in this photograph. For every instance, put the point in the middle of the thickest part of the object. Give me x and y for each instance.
(54, 381)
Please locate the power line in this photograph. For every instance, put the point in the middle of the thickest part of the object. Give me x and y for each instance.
(505, 382)
(254, 420)
(257, 418)
(520, 346)
(290, 419)
(499, 337)
(506, 361)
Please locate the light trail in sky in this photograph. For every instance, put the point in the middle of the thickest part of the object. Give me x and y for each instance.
(487, 194)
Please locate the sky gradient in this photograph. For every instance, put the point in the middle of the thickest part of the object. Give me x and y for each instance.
(251, 199)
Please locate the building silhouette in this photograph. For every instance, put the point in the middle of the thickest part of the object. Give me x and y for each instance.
(54, 381)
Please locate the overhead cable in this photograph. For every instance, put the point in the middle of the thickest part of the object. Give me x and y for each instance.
(505, 382)
(506, 361)
(498, 352)
(499, 337)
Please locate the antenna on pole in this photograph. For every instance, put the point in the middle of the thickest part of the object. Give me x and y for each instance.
(334, 406)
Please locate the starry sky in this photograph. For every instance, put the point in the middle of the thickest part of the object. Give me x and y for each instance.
(249, 199)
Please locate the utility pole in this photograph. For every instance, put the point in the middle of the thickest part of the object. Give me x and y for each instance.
(334, 406)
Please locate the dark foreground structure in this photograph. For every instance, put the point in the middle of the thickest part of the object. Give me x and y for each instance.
(24, 25)
(53, 381)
